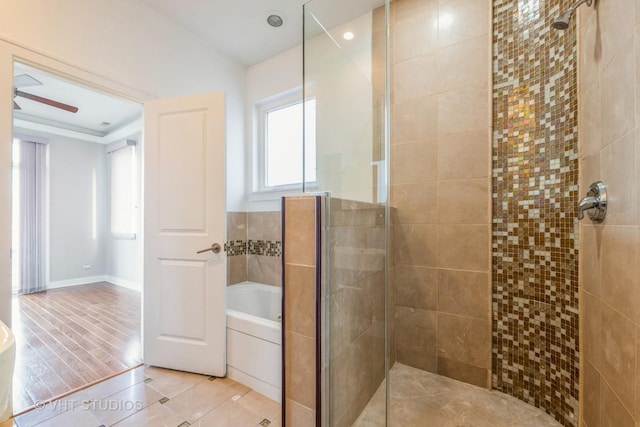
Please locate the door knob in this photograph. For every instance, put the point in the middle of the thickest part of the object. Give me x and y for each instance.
(215, 248)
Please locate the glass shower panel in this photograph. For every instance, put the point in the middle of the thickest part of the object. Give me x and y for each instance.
(346, 151)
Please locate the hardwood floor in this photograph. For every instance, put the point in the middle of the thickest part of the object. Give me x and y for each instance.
(70, 337)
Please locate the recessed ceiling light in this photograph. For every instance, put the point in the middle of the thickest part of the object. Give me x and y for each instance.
(275, 21)
(105, 124)
(348, 35)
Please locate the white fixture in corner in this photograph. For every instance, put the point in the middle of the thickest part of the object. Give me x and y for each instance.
(7, 360)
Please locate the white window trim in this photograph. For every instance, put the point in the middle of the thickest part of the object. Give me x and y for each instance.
(261, 192)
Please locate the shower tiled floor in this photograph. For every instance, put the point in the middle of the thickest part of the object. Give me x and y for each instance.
(420, 398)
(155, 397)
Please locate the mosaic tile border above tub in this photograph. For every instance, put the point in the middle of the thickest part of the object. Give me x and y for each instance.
(271, 248)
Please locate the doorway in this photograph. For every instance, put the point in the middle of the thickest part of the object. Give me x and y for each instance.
(76, 247)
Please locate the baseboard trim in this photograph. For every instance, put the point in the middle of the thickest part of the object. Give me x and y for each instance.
(77, 281)
(94, 279)
(134, 286)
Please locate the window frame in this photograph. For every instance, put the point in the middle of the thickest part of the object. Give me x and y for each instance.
(260, 190)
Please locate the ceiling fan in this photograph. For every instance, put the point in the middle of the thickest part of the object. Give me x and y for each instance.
(24, 80)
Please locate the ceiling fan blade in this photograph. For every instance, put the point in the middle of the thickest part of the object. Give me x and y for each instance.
(24, 80)
(47, 101)
(16, 106)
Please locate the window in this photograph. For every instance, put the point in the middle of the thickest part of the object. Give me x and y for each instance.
(123, 192)
(282, 145)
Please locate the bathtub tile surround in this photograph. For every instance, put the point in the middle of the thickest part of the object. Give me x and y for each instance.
(254, 247)
(535, 196)
(440, 187)
(610, 252)
(299, 311)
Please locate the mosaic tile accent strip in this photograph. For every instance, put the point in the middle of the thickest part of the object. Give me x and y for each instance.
(236, 247)
(264, 247)
(254, 247)
(535, 194)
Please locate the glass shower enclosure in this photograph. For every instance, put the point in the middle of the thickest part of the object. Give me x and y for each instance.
(346, 159)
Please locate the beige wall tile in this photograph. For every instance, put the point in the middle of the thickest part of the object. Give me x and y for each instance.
(460, 20)
(415, 35)
(236, 225)
(617, 166)
(300, 246)
(264, 269)
(589, 172)
(272, 226)
(416, 359)
(472, 342)
(416, 203)
(463, 201)
(620, 276)
(463, 110)
(416, 287)
(591, 323)
(414, 119)
(416, 245)
(612, 411)
(615, 21)
(590, 258)
(352, 315)
(637, 55)
(414, 162)
(463, 372)
(298, 415)
(464, 293)
(255, 226)
(414, 78)
(590, 122)
(464, 155)
(236, 269)
(591, 395)
(464, 64)
(618, 347)
(618, 113)
(300, 367)
(404, 9)
(590, 55)
(300, 297)
(415, 332)
(638, 149)
(463, 247)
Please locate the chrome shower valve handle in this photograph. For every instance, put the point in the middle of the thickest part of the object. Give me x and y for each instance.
(595, 203)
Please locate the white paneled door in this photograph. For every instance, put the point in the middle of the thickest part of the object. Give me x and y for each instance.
(184, 324)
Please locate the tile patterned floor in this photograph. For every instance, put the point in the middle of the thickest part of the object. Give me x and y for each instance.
(154, 397)
(420, 398)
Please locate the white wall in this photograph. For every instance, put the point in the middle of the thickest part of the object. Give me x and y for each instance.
(77, 209)
(267, 79)
(340, 79)
(121, 45)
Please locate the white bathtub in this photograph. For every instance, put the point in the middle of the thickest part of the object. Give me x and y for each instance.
(254, 350)
(7, 359)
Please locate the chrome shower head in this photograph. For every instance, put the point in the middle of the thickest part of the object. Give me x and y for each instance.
(563, 20)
